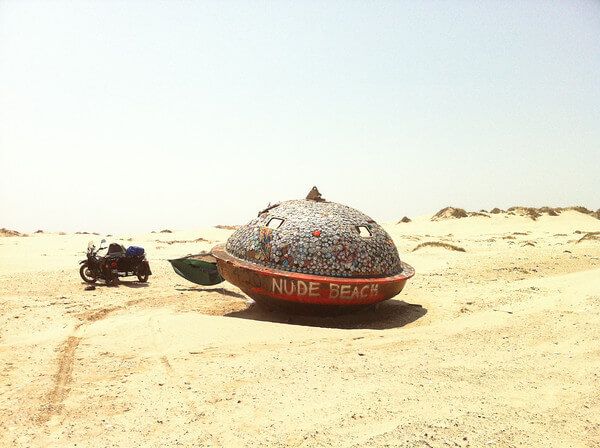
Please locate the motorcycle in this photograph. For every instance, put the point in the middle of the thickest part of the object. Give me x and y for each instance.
(118, 262)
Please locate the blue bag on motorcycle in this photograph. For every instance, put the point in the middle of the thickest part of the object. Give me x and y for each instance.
(134, 251)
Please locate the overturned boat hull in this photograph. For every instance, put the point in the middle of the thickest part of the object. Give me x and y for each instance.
(200, 269)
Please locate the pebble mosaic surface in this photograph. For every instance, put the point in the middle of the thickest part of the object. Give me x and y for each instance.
(320, 238)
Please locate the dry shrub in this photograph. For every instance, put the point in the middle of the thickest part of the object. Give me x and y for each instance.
(439, 244)
(529, 212)
(166, 231)
(535, 213)
(580, 209)
(590, 236)
(549, 211)
(404, 220)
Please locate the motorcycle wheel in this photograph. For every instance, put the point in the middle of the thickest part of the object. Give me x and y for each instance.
(142, 275)
(86, 274)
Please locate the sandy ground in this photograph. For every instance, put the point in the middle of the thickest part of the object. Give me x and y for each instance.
(495, 346)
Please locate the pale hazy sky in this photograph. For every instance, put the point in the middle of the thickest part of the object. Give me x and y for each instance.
(139, 115)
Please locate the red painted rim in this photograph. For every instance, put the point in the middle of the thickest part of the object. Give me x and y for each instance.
(381, 288)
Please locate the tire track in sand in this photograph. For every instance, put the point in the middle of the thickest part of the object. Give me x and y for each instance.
(62, 379)
(54, 402)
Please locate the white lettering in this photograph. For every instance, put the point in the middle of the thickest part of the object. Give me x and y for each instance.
(302, 288)
(334, 291)
(364, 292)
(313, 289)
(277, 285)
(374, 290)
(345, 292)
(285, 287)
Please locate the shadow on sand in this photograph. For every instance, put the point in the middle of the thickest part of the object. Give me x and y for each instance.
(388, 314)
(222, 291)
(126, 283)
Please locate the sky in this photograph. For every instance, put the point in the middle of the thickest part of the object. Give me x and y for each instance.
(123, 116)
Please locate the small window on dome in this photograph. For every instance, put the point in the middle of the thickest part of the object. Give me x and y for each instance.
(363, 231)
(274, 223)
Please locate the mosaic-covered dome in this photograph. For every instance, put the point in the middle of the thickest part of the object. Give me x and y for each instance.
(317, 237)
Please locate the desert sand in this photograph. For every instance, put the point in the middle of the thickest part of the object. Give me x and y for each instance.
(494, 346)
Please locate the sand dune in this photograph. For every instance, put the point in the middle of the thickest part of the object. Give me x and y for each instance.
(495, 346)
(449, 213)
(8, 232)
(530, 212)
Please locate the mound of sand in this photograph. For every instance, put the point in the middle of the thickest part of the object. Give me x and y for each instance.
(8, 232)
(439, 244)
(223, 227)
(404, 220)
(450, 213)
(455, 213)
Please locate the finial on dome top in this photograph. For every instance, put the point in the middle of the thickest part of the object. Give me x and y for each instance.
(315, 195)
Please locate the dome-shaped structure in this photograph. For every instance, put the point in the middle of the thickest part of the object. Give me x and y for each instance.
(313, 255)
(319, 238)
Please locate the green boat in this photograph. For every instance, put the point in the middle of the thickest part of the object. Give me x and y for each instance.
(200, 269)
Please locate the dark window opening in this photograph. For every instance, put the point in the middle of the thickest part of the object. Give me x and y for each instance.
(274, 223)
(364, 231)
